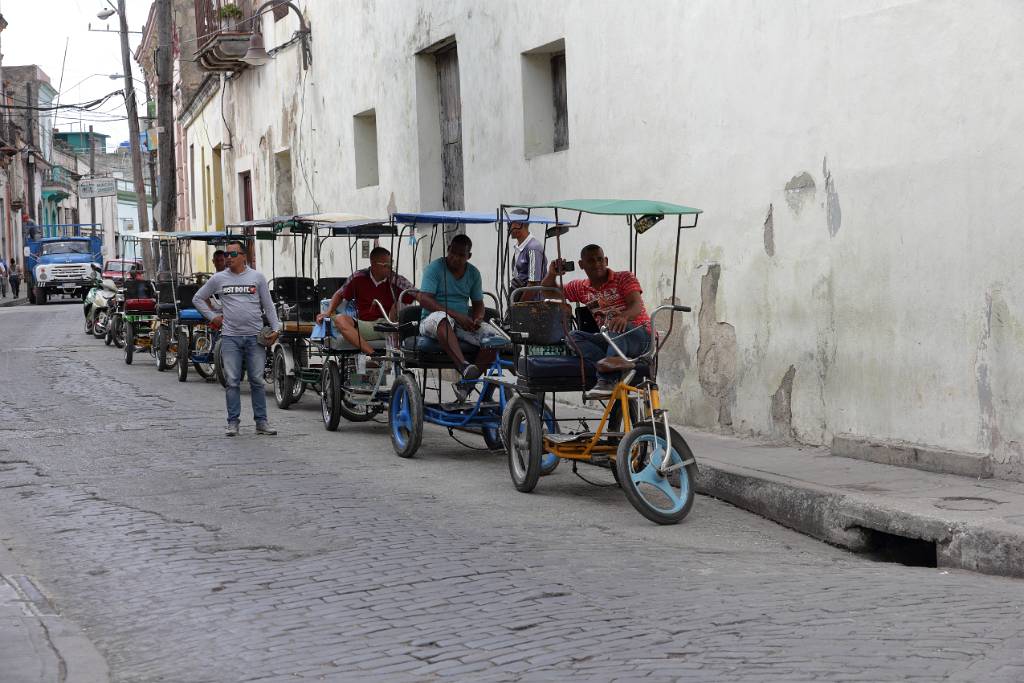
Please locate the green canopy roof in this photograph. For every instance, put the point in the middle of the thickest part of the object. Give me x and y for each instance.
(616, 207)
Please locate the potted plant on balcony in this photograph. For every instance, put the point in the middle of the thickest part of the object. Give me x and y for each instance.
(232, 18)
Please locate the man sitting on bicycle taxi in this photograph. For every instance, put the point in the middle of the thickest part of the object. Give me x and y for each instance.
(614, 297)
(452, 297)
(376, 283)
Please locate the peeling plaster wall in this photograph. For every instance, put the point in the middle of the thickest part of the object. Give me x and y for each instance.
(859, 163)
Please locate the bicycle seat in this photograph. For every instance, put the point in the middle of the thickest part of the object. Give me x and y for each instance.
(614, 364)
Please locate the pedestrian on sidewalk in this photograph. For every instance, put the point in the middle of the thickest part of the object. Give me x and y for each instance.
(245, 300)
(14, 277)
(3, 279)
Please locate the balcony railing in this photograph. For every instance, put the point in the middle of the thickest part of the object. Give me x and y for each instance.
(222, 42)
(58, 181)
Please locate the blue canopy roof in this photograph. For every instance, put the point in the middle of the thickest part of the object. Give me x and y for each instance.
(461, 218)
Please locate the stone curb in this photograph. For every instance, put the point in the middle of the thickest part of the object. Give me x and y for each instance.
(4, 303)
(902, 454)
(845, 519)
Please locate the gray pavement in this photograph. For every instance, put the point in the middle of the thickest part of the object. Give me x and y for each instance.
(185, 556)
(971, 523)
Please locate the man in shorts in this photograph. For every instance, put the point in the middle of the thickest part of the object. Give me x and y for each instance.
(616, 301)
(452, 298)
(365, 287)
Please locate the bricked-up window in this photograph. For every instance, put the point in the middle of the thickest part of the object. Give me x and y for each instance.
(545, 100)
(560, 101)
(364, 136)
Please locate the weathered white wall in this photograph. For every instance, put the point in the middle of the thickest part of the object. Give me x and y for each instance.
(884, 276)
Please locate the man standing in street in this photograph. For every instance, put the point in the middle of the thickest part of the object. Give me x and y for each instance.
(245, 300)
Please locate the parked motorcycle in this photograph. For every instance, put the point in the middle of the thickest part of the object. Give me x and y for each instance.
(97, 304)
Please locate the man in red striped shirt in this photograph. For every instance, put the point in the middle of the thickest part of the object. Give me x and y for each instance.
(616, 300)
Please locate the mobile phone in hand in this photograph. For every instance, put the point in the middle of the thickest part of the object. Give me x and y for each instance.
(565, 265)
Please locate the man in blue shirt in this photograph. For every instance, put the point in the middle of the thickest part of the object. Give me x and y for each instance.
(453, 298)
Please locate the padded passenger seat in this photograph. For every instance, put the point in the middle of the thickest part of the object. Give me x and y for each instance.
(555, 373)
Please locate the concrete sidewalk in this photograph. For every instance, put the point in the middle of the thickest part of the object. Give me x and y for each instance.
(8, 301)
(899, 513)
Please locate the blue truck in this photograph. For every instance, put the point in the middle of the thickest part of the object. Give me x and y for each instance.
(62, 265)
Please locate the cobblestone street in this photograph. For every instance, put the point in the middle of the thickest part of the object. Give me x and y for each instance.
(188, 557)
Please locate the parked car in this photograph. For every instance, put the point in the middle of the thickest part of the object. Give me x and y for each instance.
(117, 269)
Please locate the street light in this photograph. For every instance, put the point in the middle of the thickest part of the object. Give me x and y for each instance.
(257, 54)
(112, 77)
(106, 14)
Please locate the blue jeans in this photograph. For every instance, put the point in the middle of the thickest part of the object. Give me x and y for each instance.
(593, 347)
(234, 351)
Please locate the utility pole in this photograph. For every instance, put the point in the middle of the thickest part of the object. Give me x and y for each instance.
(165, 115)
(92, 173)
(151, 156)
(133, 121)
(29, 165)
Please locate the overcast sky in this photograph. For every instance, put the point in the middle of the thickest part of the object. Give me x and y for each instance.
(36, 33)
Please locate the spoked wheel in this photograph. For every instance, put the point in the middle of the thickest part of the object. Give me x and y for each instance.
(100, 320)
(204, 346)
(218, 364)
(89, 321)
(664, 497)
(405, 416)
(162, 344)
(355, 412)
(117, 330)
(524, 439)
(184, 353)
(284, 384)
(108, 338)
(549, 461)
(129, 342)
(330, 396)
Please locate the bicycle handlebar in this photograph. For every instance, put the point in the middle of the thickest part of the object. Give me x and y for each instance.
(650, 353)
(532, 288)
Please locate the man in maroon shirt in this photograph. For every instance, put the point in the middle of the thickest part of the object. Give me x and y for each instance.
(363, 288)
(615, 299)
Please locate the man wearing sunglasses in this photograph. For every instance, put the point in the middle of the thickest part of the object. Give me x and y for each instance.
(245, 300)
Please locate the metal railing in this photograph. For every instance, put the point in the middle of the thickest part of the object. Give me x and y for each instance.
(209, 22)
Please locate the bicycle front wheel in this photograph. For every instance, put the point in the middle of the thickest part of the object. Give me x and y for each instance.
(662, 496)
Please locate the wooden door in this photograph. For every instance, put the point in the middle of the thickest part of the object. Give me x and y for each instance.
(452, 194)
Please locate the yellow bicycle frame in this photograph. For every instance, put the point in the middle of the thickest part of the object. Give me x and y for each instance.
(585, 450)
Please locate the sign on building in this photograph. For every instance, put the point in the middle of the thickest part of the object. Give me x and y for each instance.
(97, 187)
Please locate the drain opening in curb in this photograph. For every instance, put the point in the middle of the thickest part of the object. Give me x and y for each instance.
(885, 547)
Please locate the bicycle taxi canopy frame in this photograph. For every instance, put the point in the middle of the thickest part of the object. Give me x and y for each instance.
(449, 222)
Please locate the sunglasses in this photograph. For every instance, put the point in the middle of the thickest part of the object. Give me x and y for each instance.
(232, 254)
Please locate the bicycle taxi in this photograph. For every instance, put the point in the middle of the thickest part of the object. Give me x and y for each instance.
(650, 459)
(349, 388)
(294, 362)
(414, 399)
(193, 337)
(137, 318)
